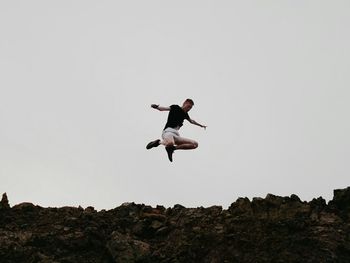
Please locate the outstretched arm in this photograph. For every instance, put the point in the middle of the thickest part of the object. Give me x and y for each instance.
(160, 108)
(196, 123)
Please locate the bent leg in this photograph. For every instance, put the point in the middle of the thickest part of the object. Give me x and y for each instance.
(168, 139)
(168, 142)
(185, 144)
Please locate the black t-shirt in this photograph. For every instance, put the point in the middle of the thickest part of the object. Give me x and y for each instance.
(176, 117)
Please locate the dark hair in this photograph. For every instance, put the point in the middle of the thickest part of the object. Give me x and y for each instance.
(190, 101)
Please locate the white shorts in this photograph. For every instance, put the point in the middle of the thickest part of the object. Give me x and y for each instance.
(172, 136)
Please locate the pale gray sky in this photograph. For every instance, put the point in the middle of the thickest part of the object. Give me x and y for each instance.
(269, 78)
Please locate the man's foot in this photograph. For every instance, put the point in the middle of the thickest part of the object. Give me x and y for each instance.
(153, 144)
(170, 150)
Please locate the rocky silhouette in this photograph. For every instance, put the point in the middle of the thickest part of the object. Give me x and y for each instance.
(270, 229)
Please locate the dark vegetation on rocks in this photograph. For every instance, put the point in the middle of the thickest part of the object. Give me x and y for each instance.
(270, 229)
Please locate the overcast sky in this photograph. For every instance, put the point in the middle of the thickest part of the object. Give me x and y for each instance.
(77, 78)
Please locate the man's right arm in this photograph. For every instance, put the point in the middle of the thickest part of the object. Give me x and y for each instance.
(160, 108)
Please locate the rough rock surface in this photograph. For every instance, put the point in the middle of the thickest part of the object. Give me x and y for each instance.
(270, 229)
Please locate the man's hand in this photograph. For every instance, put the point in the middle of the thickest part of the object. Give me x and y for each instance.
(155, 106)
(203, 126)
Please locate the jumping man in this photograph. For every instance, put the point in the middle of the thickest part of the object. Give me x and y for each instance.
(171, 137)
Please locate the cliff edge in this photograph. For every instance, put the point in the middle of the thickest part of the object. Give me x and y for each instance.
(270, 229)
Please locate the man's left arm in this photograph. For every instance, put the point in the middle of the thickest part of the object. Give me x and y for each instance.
(196, 123)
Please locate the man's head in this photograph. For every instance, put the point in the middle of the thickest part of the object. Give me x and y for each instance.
(187, 105)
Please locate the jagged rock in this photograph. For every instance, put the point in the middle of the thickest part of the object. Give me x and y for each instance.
(4, 203)
(241, 207)
(341, 202)
(295, 198)
(341, 199)
(270, 229)
(25, 206)
(90, 209)
(124, 249)
(318, 203)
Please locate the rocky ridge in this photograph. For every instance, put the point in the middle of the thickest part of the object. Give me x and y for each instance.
(270, 229)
